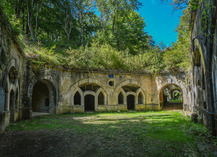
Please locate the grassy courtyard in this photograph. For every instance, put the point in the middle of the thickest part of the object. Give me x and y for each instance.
(164, 133)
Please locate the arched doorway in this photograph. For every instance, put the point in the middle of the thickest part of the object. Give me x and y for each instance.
(12, 106)
(131, 102)
(89, 102)
(43, 97)
(171, 97)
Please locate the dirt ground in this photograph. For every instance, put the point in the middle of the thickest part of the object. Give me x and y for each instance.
(44, 143)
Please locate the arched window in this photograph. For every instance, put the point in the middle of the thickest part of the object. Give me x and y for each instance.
(101, 99)
(12, 106)
(140, 98)
(120, 98)
(6, 98)
(16, 99)
(77, 99)
(13, 75)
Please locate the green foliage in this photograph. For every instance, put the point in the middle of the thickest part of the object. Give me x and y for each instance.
(73, 33)
(178, 56)
(104, 57)
(179, 100)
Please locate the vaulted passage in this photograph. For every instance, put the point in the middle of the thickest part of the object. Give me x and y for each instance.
(89, 103)
(40, 97)
(131, 102)
(171, 97)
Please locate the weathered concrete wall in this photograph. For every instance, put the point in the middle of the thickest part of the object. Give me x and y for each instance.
(65, 84)
(180, 80)
(11, 75)
(204, 64)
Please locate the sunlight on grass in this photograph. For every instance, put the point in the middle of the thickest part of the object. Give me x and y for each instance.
(154, 133)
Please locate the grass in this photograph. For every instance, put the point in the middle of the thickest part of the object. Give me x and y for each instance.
(163, 133)
(175, 101)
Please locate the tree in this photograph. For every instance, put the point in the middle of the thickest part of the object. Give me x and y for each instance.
(177, 4)
(178, 56)
(33, 9)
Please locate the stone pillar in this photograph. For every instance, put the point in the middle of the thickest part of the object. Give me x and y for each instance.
(26, 102)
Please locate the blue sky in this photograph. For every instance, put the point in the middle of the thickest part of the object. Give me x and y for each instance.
(161, 21)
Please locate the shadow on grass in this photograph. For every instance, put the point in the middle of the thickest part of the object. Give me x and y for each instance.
(119, 134)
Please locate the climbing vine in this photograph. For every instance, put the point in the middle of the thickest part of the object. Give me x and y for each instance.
(205, 20)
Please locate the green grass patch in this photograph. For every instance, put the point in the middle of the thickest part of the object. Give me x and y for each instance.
(163, 133)
(175, 101)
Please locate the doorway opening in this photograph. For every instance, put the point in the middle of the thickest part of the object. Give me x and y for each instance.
(171, 97)
(131, 102)
(89, 103)
(40, 98)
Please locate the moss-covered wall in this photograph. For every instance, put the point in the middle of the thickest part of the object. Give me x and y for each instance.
(64, 84)
(11, 75)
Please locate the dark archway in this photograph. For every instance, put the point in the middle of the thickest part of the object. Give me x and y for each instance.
(12, 106)
(171, 97)
(89, 103)
(120, 98)
(131, 102)
(140, 98)
(17, 100)
(40, 97)
(77, 99)
(101, 99)
(6, 98)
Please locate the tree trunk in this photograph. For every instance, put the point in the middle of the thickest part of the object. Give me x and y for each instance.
(113, 25)
(29, 10)
(68, 22)
(82, 30)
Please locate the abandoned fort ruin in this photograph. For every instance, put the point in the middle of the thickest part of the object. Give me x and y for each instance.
(25, 89)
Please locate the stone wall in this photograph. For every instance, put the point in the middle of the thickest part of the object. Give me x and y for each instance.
(65, 84)
(204, 84)
(11, 70)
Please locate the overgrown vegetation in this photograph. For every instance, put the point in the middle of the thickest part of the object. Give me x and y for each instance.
(160, 133)
(94, 35)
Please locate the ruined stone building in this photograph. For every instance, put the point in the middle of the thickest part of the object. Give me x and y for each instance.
(57, 90)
